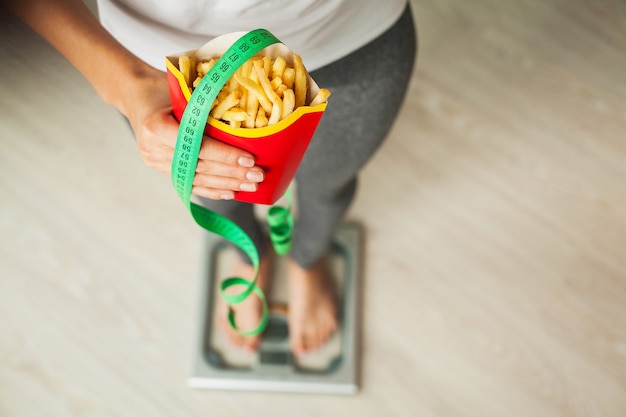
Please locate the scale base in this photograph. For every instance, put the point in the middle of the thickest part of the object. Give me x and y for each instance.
(332, 369)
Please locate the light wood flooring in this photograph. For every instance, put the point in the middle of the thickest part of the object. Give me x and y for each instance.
(495, 216)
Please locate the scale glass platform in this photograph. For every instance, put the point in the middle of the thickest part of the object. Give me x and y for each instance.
(332, 369)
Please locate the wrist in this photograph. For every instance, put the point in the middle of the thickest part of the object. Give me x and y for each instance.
(135, 84)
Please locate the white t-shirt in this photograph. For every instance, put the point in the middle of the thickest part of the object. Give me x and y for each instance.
(321, 31)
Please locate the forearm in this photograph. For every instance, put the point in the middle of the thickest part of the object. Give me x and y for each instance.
(139, 91)
(70, 27)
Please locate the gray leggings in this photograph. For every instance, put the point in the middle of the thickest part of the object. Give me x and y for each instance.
(368, 87)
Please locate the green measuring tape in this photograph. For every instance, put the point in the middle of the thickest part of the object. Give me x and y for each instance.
(184, 164)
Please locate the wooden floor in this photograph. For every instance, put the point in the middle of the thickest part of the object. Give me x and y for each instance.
(495, 273)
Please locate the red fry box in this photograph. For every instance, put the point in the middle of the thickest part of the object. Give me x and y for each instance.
(278, 148)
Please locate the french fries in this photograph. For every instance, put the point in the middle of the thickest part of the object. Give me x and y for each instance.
(185, 64)
(262, 92)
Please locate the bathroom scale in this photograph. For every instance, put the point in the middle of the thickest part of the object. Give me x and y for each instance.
(332, 369)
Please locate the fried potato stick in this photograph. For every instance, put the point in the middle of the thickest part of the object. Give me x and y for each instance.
(257, 91)
(300, 80)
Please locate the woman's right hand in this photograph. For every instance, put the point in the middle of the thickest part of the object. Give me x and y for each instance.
(222, 169)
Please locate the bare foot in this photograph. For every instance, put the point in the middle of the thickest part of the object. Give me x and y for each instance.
(248, 312)
(312, 310)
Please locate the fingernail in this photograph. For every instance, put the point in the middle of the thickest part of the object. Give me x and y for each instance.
(246, 161)
(248, 186)
(255, 176)
(227, 196)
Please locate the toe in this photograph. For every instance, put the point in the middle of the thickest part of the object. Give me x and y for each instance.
(297, 344)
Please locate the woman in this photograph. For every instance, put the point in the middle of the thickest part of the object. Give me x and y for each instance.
(361, 50)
